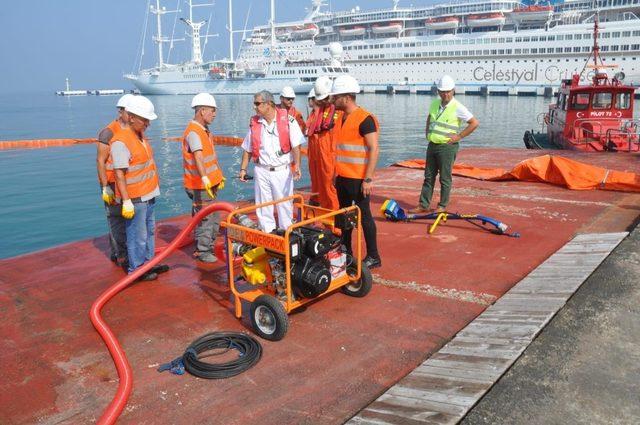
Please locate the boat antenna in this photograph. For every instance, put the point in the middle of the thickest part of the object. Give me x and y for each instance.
(244, 31)
(598, 63)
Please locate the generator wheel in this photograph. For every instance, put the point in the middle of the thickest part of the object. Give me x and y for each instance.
(269, 318)
(362, 286)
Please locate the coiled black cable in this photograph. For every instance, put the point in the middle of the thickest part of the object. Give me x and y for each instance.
(249, 348)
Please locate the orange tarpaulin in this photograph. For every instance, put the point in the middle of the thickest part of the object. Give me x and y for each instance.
(549, 169)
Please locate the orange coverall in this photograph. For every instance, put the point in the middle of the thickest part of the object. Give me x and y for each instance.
(322, 161)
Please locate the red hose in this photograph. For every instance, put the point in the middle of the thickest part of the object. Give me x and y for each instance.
(112, 412)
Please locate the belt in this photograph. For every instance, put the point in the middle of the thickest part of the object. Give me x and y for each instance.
(272, 168)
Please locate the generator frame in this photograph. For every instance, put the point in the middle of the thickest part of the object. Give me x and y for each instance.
(263, 297)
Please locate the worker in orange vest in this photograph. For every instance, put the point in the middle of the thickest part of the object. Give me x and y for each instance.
(287, 96)
(356, 134)
(202, 174)
(137, 184)
(106, 177)
(322, 146)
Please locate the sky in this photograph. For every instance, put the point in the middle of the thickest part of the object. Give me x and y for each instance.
(95, 42)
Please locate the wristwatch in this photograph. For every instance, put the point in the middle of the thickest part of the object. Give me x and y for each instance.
(368, 180)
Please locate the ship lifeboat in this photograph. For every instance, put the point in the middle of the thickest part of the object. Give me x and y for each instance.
(532, 13)
(486, 20)
(442, 23)
(306, 31)
(352, 31)
(217, 72)
(389, 28)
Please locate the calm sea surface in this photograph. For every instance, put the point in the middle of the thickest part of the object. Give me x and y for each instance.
(51, 196)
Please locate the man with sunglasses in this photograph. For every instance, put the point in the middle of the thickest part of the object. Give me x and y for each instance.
(356, 136)
(287, 96)
(273, 144)
(444, 130)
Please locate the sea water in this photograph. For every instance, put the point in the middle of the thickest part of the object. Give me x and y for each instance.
(51, 196)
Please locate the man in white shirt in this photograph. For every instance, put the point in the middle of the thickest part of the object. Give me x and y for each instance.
(273, 144)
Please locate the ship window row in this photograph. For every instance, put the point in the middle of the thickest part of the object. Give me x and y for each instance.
(194, 75)
(481, 52)
(535, 39)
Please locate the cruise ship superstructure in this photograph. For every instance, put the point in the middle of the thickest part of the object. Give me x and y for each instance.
(493, 46)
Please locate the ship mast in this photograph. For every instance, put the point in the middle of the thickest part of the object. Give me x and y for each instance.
(159, 39)
(196, 49)
(230, 31)
(273, 23)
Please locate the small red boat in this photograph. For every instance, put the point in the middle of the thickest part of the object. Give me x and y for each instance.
(592, 117)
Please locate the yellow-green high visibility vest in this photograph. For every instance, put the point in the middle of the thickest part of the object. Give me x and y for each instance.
(443, 124)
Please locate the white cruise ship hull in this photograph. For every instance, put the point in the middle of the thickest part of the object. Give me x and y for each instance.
(154, 85)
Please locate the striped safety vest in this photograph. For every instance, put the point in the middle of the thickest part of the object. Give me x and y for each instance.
(115, 128)
(443, 124)
(352, 154)
(191, 177)
(141, 176)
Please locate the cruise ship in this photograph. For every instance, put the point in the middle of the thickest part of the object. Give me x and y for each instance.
(491, 46)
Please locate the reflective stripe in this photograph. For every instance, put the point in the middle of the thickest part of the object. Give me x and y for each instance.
(209, 158)
(195, 172)
(442, 133)
(352, 160)
(445, 125)
(211, 168)
(109, 166)
(139, 167)
(141, 177)
(189, 161)
(352, 148)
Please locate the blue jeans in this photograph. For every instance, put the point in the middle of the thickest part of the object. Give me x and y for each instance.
(141, 229)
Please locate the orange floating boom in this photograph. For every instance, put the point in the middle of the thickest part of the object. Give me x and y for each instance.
(43, 143)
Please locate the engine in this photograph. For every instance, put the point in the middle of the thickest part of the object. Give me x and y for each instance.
(311, 250)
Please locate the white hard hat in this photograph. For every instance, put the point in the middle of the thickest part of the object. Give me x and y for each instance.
(312, 94)
(203, 99)
(323, 87)
(446, 83)
(122, 102)
(142, 107)
(288, 92)
(345, 84)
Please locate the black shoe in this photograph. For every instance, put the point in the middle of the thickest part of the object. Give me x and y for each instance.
(160, 268)
(148, 276)
(372, 262)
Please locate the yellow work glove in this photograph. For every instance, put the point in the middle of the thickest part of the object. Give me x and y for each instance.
(221, 184)
(108, 196)
(207, 186)
(127, 209)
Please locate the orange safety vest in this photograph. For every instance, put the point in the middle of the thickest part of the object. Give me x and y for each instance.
(352, 154)
(282, 122)
(142, 174)
(115, 127)
(191, 176)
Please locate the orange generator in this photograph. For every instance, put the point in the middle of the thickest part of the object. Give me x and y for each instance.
(286, 269)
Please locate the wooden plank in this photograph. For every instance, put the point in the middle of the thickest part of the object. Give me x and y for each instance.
(444, 387)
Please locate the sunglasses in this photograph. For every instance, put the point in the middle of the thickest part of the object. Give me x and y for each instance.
(258, 103)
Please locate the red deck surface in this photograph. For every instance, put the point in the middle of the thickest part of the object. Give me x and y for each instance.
(340, 353)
